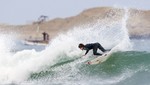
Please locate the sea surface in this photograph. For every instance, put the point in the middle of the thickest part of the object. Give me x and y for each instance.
(61, 62)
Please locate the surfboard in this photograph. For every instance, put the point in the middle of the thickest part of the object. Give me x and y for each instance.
(100, 59)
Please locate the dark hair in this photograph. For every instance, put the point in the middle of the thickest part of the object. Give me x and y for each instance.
(81, 45)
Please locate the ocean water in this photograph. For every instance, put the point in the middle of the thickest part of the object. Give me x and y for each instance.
(60, 62)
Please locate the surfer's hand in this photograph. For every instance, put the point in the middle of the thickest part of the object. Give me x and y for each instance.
(83, 56)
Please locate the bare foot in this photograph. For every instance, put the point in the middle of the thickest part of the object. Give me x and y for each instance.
(89, 63)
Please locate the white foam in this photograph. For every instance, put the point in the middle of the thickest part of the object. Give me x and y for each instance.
(18, 67)
(125, 44)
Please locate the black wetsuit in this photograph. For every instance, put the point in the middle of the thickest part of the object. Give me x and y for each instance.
(94, 46)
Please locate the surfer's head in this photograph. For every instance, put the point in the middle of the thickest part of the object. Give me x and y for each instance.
(81, 46)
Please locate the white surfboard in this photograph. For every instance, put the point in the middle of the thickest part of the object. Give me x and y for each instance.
(100, 59)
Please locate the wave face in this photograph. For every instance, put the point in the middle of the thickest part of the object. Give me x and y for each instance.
(60, 62)
(122, 68)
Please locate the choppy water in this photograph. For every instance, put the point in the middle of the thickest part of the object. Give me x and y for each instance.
(59, 63)
(122, 68)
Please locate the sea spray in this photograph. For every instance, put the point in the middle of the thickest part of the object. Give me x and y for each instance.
(125, 44)
(22, 64)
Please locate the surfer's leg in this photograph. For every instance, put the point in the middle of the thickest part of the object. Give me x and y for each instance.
(95, 50)
(100, 47)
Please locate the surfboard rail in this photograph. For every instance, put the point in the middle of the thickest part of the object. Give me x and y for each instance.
(99, 59)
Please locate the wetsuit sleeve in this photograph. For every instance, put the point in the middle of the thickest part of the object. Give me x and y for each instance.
(86, 52)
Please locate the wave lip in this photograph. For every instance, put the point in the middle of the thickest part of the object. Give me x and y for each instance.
(22, 65)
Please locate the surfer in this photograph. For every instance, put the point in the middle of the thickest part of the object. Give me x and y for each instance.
(91, 46)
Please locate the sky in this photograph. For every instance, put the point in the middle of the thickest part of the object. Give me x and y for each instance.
(17, 12)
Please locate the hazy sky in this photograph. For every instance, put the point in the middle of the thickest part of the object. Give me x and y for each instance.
(26, 11)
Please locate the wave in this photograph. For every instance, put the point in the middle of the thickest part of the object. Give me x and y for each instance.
(61, 56)
(118, 69)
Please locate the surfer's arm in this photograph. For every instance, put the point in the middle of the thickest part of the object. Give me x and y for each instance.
(86, 52)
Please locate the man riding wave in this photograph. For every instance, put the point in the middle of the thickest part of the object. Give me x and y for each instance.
(94, 46)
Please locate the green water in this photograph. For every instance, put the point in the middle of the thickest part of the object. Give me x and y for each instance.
(122, 68)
